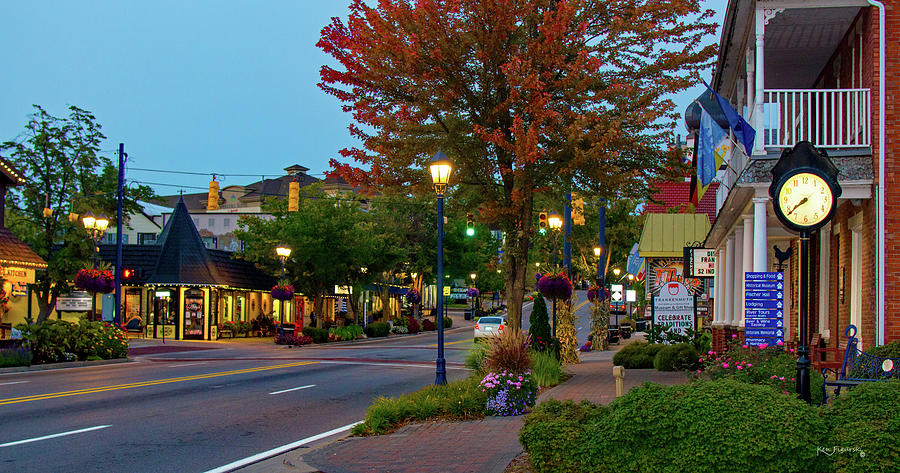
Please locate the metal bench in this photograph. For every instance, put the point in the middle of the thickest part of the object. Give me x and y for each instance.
(857, 367)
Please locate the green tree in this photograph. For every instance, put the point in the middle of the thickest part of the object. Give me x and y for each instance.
(65, 173)
(539, 321)
(333, 242)
(523, 96)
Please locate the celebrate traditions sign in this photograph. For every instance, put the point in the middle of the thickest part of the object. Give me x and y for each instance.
(673, 307)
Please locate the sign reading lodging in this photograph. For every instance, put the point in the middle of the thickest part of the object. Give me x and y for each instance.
(674, 307)
(701, 262)
(764, 308)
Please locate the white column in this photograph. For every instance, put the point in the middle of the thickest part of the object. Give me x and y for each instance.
(751, 84)
(719, 284)
(758, 81)
(738, 275)
(760, 250)
(747, 263)
(728, 303)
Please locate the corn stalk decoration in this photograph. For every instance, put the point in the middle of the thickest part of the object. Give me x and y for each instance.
(599, 325)
(565, 329)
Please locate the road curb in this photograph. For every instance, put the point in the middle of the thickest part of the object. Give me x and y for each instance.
(64, 365)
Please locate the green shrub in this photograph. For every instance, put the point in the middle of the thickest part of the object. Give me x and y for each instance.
(546, 368)
(557, 436)
(682, 356)
(58, 340)
(539, 321)
(712, 426)
(770, 366)
(508, 352)
(378, 329)
(890, 350)
(20, 356)
(347, 332)
(448, 322)
(637, 355)
(319, 335)
(868, 419)
(458, 400)
(475, 358)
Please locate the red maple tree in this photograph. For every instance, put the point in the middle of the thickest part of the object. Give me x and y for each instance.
(527, 97)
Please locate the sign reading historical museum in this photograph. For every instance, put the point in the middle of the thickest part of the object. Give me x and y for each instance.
(763, 308)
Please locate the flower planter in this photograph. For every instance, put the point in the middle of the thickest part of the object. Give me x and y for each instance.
(555, 286)
(95, 280)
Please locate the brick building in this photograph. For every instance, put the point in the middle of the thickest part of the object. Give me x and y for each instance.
(810, 71)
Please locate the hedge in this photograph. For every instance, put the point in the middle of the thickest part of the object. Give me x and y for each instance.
(378, 329)
(712, 426)
(637, 355)
(318, 335)
(865, 422)
(682, 356)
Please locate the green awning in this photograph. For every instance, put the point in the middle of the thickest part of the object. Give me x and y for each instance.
(666, 235)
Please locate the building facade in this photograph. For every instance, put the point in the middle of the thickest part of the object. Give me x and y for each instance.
(825, 72)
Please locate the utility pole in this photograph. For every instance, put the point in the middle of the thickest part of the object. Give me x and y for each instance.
(120, 191)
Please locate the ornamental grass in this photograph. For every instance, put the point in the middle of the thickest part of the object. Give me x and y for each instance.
(508, 352)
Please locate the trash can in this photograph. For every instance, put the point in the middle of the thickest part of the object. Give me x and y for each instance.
(468, 314)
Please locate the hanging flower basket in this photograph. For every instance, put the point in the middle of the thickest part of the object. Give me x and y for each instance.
(555, 286)
(283, 293)
(95, 280)
(592, 293)
(413, 296)
(472, 292)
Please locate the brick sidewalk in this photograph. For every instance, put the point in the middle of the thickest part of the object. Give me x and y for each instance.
(487, 445)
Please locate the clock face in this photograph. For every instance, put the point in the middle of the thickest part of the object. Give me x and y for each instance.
(805, 199)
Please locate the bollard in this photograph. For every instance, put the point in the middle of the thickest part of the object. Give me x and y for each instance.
(619, 374)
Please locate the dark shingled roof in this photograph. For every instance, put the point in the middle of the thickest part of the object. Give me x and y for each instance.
(15, 253)
(183, 258)
(851, 168)
(241, 273)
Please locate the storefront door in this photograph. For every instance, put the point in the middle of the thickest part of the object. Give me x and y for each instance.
(193, 314)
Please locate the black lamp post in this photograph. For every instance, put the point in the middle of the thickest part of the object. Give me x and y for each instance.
(555, 223)
(95, 227)
(283, 253)
(440, 168)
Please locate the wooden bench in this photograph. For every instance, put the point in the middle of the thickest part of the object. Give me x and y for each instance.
(856, 367)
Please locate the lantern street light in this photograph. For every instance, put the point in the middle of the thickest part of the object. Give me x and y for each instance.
(440, 168)
(597, 252)
(95, 227)
(283, 253)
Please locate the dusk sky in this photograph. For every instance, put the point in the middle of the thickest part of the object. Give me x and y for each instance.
(201, 86)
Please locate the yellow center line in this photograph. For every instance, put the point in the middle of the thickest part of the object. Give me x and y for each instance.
(39, 397)
(579, 306)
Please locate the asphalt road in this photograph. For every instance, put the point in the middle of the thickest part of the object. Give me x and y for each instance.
(199, 410)
(202, 410)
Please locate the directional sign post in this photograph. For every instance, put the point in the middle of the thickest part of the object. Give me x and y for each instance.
(764, 304)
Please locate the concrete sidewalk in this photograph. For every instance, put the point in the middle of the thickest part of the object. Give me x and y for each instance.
(488, 445)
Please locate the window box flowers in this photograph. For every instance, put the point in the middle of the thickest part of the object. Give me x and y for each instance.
(283, 293)
(95, 280)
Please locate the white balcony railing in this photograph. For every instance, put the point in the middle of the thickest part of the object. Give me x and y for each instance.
(828, 118)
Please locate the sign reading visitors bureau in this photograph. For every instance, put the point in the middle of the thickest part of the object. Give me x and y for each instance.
(673, 307)
(764, 308)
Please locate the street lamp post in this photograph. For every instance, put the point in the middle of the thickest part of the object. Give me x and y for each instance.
(597, 252)
(616, 273)
(555, 223)
(283, 253)
(95, 227)
(474, 299)
(440, 168)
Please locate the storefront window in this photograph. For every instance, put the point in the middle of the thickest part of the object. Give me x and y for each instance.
(165, 306)
(132, 308)
(193, 313)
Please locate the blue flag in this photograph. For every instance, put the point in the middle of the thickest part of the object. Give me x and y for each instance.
(742, 130)
(712, 147)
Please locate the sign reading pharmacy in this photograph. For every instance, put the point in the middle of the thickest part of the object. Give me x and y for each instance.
(764, 308)
(673, 307)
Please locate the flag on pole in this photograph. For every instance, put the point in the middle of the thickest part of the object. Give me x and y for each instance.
(744, 133)
(713, 147)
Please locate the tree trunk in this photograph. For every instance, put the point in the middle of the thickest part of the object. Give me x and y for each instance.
(317, 309)
(516, 272)
(387, 312)
(353, 304)
(46, 299)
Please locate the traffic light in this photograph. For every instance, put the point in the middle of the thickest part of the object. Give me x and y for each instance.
(212, 201)
(577, 210)
(470, 225)
(293, 196)
(543, 223)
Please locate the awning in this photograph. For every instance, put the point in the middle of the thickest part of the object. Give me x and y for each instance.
(666, 235)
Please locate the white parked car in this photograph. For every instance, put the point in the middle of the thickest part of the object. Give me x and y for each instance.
(489, 326)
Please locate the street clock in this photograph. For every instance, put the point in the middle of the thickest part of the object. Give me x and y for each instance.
(804, 188)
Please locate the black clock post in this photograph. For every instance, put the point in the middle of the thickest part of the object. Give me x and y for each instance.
(808, 172)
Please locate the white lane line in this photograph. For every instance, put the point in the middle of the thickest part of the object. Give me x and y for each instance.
(62, 434)
(294, 389)
(279, 450)
(187, 364)
(14, 382)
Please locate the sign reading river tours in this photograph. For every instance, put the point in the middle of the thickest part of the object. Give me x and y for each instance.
(673, 307)
(764, 308)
